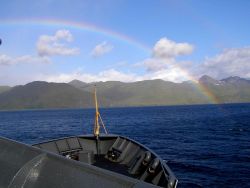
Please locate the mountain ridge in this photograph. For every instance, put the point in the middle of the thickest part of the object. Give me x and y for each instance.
(78, 94)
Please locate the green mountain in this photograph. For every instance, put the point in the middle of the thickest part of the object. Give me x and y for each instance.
(228, 90)
(147, 93)
(45, 95)
(77, 94)
(78, 84)
(159, 92)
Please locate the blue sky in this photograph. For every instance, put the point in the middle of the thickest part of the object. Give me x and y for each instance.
(132, 40)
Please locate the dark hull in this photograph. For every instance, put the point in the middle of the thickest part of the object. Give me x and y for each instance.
(82, 161)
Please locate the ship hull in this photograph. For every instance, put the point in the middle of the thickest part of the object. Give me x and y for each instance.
(82, 161)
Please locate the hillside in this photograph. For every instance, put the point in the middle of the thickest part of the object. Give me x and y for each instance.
(147, 93)
(4, 88)
(228, 90)
(45, 95)
(159, 92)
(77, 94)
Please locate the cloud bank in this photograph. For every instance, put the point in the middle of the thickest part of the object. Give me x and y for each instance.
(230, 62)
(106, 75)
(46, 46)
(55, 45)
(8, 60)
(166, 48)
(162, 64)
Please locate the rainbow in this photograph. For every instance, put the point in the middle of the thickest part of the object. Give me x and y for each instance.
(109, 33)
(85, 26)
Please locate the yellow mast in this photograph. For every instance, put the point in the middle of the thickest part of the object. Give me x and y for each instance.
(97, 116)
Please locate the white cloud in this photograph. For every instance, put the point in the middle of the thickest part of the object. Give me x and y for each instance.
(46, 46)
(55, 45)
(154, 65)
(171, 73)
(106, 75)
(163, 64)
(101, 49)
(7, 60)
(231, 62)
(166, 48)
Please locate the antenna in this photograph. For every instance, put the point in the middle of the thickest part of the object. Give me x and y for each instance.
(97, 117)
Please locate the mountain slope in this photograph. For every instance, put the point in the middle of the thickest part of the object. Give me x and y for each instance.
(78, 84)
(4, 88)
(149, 92)
(45, 95)
(77, 94)
(159, 92)
(230, 90)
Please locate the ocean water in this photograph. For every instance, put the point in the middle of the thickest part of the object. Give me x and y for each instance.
(205, 145)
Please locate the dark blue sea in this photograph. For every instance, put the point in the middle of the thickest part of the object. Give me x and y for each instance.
(205, 145)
